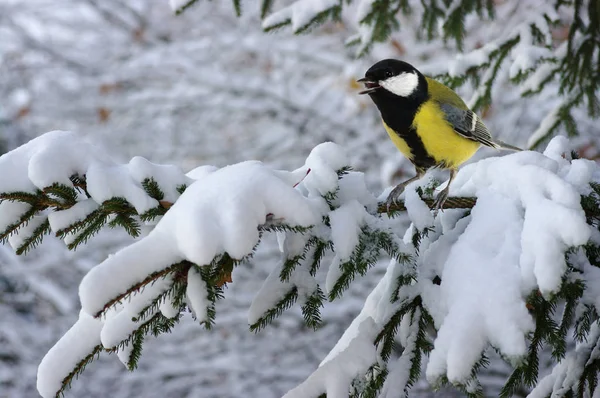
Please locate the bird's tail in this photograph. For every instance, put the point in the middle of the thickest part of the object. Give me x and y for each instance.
(503, 145)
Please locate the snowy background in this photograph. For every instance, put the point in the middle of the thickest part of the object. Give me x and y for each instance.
(201, 88)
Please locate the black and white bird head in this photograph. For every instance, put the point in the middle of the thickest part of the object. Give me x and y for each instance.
(392, 76)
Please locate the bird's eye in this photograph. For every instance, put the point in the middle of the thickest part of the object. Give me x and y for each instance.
(388, 74)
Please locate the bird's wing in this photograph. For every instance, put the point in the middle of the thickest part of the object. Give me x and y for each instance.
(468, 124)
(464, 120)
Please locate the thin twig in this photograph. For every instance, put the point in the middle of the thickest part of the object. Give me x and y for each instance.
(181, 267)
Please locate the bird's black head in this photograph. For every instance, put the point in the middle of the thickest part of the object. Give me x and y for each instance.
(394, 78)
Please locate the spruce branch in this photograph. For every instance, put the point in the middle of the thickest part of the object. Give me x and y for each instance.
(35, 238)
(375, 376)
(320, 247)
(23, 220)
(177, 268)
(152, 189)
(78, 370)
(214, 293)
(284, 304)
(91, 228)
(68, 195)
(311, 309)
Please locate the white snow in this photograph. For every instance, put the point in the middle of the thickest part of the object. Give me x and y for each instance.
(352, 187)
(64, 218)
(168, 177)
(19, 237)
(378, 307)
(532, 181)
(273, 289)
(218, 213)
(463, 62)
(481, 292)
(197, 295)
(488, 261)
(418, 211)
(74, 346)
(333, 273)
(547, 124)
(399, 372)
(346, 222)
(10, 212)
(300, 13)
(324, 161)
(119, 326)
(567, 373)
(201, 172)
(333, 377)
(104, 183)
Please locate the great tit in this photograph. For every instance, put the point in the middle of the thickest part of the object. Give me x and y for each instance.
(427, 121)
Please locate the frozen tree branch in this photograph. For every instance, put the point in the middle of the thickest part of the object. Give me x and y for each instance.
(212, 220)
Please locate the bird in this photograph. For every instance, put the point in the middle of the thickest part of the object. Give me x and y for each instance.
(427, 121)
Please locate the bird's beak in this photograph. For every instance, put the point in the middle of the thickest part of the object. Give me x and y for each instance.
(369, 85)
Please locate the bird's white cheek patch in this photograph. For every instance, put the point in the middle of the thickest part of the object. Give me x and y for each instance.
(403, 85)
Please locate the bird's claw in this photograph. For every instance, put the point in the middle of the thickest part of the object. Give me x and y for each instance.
(440, 199)
(393, 196)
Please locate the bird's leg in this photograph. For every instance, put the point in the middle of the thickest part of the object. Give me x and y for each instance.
(397, 191)
(443, 195)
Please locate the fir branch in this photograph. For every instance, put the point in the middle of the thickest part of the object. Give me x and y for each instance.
(571, 293)
(155, 212)
(285, 303)
(68, 195)
(546, 330)
(213, 294)
(290, 264)
(155, 325)
(91, 228)
(185, 6)
(583, 324)
(375, 377)
(237, 6)
(137, 342)
(320, 248)
(78, 370)
(152, 189)
(35, 238)
(12, 228)
(118, 205)
(311, 309)
(273, 226)
(78, 225)
(21, 196)
(181, 267)
(129, 224)
(181, 188)
(265, 8)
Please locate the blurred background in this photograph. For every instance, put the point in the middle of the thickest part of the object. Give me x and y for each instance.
(205, 87)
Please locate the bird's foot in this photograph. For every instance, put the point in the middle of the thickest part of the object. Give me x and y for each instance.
(394, 195)
(440, 200)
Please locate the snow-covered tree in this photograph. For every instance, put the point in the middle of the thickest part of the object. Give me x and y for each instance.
(298, 88)
(508, 268)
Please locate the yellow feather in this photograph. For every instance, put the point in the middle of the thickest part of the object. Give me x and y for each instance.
(399, 142)
(439, 138)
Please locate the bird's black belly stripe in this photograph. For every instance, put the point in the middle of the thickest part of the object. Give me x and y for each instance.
(399, 116)
(421, 158)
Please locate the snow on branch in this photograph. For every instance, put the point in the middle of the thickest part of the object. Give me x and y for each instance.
(522, 237)
(488, 277)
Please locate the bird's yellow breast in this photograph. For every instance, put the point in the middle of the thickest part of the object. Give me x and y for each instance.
(439, 139)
